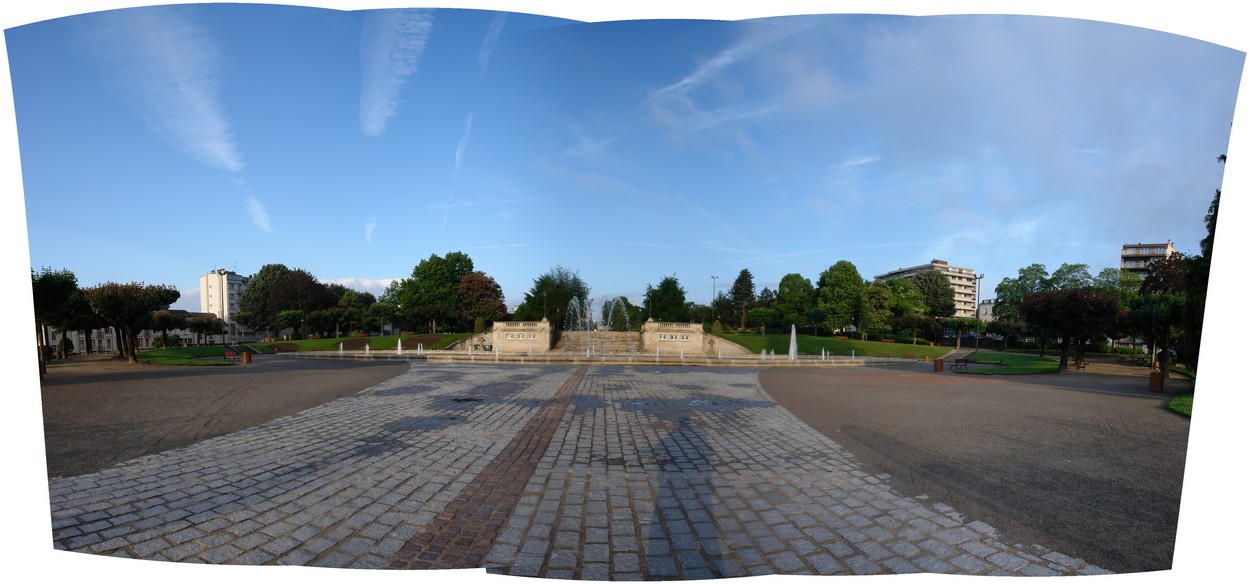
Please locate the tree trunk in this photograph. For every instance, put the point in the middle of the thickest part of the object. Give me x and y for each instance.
(1064, 346)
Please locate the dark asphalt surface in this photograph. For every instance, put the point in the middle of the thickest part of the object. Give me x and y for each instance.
(98, 412)
(1089, 464)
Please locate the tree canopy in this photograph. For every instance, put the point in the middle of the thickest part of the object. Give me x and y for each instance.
(667, 301)
(551, 295)
(838, 295)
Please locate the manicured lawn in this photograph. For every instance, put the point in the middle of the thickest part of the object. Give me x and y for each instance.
(812, 346)
(1013, 364)
(205, 355)
(383, 343)
(1182, 404)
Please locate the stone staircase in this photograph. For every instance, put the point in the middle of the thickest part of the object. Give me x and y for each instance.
(603, 343)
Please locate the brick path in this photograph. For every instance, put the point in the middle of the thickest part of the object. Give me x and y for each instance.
(585, 473)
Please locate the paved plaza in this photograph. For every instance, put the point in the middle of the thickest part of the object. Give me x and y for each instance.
(588, 472)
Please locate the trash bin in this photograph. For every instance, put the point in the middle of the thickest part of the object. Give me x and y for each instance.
(938, 363)
(1156, 381)
(247, 357)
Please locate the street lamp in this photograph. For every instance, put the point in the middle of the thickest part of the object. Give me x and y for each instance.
(712, 304)
(976, 313)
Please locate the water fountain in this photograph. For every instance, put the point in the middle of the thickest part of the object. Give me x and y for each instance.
(794, 345)
(399, 346)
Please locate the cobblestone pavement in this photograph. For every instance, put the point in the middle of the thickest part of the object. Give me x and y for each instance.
(560, 472)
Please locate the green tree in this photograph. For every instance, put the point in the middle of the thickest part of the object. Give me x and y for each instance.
(379, 315)
(53, 291)
(795, 298)
(430, 293)
(297, 289)
(1031, 279)
(551, 295)
(289, 319)
(959, 325)
(876, 307)
(164, 321)
(838, 295)
(204, 326)
(128, 308)
(1070, 314)
(619, 314)
(254, 309)
(1070, 277)
(742, 293)
(667, 301)
(907, 298)
(938, 294)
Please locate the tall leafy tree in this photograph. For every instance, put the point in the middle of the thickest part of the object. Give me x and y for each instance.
(299, 290)
(429, 294)
(619, 314)
(876, 306)
(204, 326)
(128, 308)
(480, 300)
(1070, 277)
(164, 321)
(939, 295)
(254, 309)
(743, 295)
(1071, 314)
(795, 298)
(838, 295)
(550, 296)
(667, 301)
(908, 299)
(53, 291)
(1031, 279)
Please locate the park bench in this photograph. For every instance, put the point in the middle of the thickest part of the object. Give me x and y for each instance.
(230, 356)
(960, 363)
(1080, 364)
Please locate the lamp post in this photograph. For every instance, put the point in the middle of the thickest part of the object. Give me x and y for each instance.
(712, 304)
(976, 313)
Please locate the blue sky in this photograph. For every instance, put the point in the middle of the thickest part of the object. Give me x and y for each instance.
(628, 152)
(354, 144)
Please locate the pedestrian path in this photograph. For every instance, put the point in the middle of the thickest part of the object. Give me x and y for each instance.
(559, 472)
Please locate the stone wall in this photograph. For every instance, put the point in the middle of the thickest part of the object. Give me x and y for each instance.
(521, 338)
(673, 338)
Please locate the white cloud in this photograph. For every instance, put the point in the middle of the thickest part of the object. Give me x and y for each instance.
(463, 144)
(376, 286)
(163, 66)
(369, 230)
(492, 36)
(587, 146)
(391, 46)
(256, 210)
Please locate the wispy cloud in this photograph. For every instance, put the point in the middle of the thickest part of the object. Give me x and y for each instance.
(372, 285)
(164, 66)
(587, 146)
(369, 230)
(463, 144)
(256, 210)
(492, 36)
(391, 46)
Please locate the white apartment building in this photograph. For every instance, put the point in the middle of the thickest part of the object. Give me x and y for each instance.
(220, 291)
(963, 280)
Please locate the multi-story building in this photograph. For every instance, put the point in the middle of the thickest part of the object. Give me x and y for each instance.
(985, 310)
(1136, 257)
(220, 291)
(963, 280)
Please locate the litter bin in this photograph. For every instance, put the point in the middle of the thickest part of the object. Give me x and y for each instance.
(938, 363)
(247, 357)
(1156, 381)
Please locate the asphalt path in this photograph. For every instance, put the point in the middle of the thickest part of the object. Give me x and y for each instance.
(1089, 463)
(98, 411)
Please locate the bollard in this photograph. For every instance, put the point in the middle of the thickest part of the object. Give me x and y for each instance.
(1156, 381)
(247, 357)
(937, 364)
